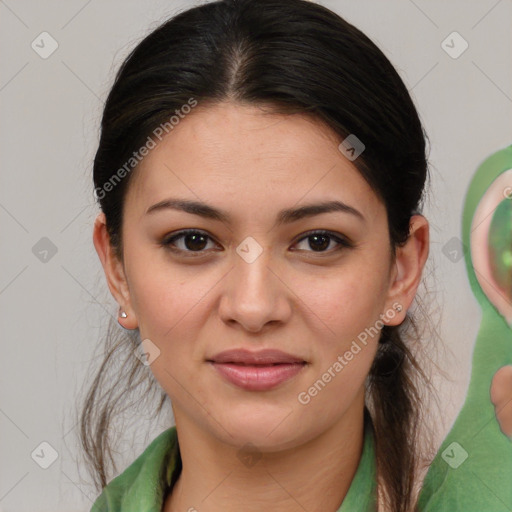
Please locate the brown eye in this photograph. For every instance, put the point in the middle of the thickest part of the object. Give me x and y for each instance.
(188, 241)
(319, 241)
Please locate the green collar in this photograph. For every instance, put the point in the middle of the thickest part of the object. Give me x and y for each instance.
(142, 487)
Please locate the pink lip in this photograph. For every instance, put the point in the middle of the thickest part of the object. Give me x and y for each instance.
(258, 377)
(257, 371)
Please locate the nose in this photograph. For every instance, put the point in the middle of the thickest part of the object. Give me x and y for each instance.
(255, 295)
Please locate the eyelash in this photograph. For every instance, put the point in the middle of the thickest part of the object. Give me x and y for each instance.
(168, 242)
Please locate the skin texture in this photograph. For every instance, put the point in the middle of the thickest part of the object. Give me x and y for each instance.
(309, 303)
(501, 397)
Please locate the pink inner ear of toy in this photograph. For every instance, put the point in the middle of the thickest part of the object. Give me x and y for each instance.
(491, 244)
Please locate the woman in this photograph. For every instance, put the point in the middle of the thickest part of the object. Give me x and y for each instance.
(260, 175)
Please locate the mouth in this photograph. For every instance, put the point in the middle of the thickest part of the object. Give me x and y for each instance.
(266, 357)
(253, 364)
(256, 371)
(257, 377)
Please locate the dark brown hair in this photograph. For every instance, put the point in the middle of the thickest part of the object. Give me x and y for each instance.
(295, 56)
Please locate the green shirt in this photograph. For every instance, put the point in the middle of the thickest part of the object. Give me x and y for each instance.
(143, 486)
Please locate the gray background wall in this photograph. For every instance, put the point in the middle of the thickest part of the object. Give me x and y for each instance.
(54, 306)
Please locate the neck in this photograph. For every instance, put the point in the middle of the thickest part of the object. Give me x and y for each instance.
(315, 475)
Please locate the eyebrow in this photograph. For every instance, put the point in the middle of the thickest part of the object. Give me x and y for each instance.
(285, 216)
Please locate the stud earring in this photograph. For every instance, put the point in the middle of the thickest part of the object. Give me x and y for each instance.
(122, 314)
(398, 308)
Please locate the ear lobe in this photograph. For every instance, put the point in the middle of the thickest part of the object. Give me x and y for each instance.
(114, 270)
(409, 263)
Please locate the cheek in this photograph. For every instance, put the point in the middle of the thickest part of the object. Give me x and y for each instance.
(171, 311)
(344, 311)
(164, 295)
(160, 303)
(347, 300)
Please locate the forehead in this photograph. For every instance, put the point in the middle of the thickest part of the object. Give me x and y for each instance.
(243, 156)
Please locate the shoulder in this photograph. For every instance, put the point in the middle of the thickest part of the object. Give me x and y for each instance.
(141, 485)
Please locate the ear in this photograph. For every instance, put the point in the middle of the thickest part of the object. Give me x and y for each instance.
(408, 267)
(114, 271)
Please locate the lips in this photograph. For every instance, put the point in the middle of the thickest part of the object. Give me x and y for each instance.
(262, 357)
(256, 371)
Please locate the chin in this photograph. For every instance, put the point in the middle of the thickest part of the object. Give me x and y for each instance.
(269, 433)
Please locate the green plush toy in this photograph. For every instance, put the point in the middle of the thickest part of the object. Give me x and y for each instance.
(472, 471)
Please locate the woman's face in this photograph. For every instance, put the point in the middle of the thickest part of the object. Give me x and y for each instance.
(254, 280)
